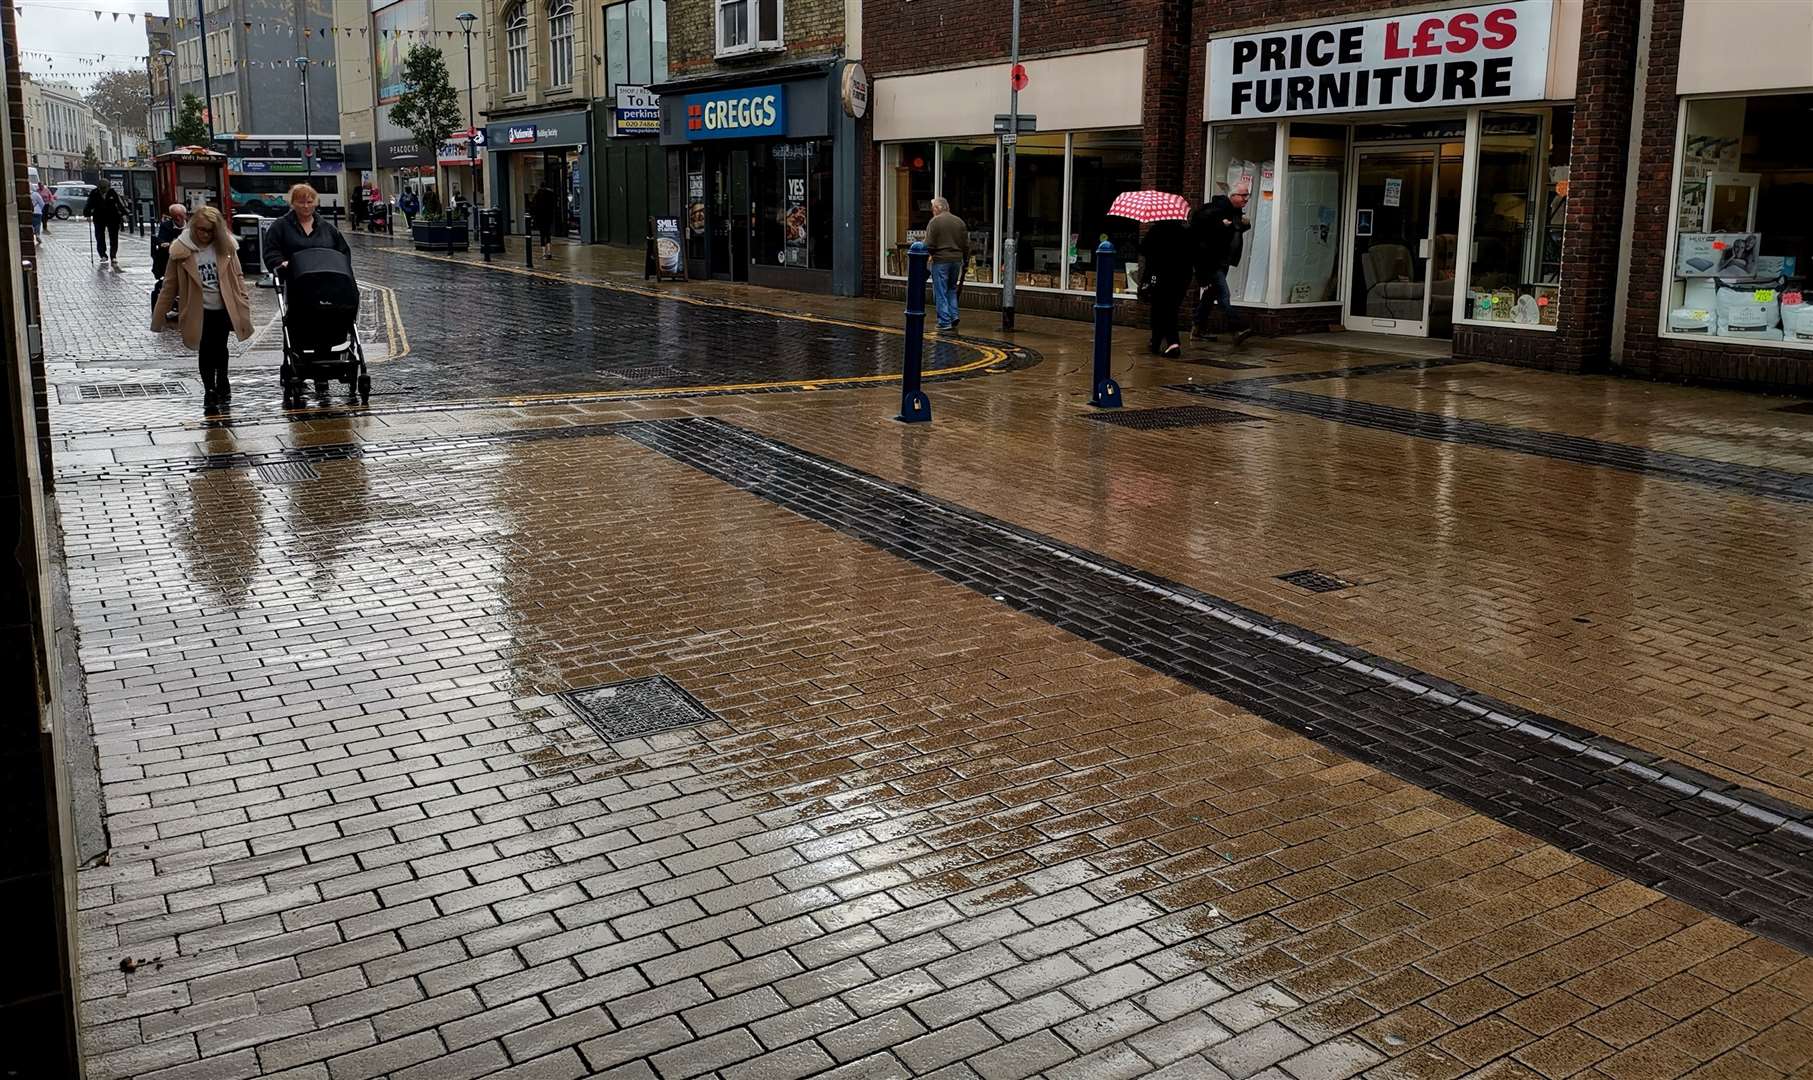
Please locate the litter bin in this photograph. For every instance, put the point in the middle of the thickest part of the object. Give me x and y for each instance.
(490, 232)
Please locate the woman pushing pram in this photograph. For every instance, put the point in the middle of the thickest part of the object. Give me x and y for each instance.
(318, 296)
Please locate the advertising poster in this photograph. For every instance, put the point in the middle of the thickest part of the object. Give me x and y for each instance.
(668, 261)
(391, 39)
(796, 221)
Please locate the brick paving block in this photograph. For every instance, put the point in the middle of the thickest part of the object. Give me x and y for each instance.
(1252, 1007)
(1179, 1038)
(534, 980)
(485, 1059)
(864, 1037)
(595, 991)
(943, 1046)
(189, 1019)
(143, 1057)
(736, 1011)
(1112, 984)
(705, 1055)
(811, 985)
(633, 1043)
(559, 1033)
(493, 1023)
(1256, 1048)
(790, 1063)
(254, 1030)
(884, 994)
(875, 1067)
(422, 1015)
(239, 1065)
(368, 1002)
(660, 1001)
(1101, 1027)
(471, 972)
(386, 1057)
(1109, 1063)
(316, 1045)
(1022, 1057)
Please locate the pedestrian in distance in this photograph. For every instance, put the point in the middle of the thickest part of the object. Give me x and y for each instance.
(1217, 229)
(108, 211)
(947, 237)
(410, 206)
(542, 207)
(1164, 276)
(298, 229)
(37, 213)
(50, 206)
(204, 282)
(169, 227)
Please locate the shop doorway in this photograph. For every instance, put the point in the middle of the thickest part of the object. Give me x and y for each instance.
(1404, 220)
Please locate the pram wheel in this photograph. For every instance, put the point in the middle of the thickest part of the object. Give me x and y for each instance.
(320, 386)
(365, 389)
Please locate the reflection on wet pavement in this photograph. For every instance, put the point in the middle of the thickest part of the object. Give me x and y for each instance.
(975, 802)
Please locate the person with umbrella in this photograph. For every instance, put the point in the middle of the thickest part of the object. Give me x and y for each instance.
(1164, 260)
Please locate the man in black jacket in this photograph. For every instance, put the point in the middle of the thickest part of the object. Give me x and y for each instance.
(108, 211)
(169, 227)
(1218, 227)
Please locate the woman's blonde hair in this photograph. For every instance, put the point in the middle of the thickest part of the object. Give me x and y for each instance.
(224, 241)
(297, 189)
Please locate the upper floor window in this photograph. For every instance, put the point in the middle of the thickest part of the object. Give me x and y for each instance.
(560, 43)
(635, 44)
(516, 48)
(748, 26)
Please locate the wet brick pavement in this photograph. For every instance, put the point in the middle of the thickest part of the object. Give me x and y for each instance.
(1020, 776)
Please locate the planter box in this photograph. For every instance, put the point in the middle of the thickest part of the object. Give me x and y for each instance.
(440, 236)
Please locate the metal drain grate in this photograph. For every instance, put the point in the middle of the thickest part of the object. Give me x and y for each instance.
(638, 707)
(1175, 416)
(287, 472)
(1804, 408)
(1315, 581)
(129, 390)
(1226, 365)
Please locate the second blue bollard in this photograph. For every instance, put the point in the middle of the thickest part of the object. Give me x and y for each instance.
(914, 406)
(1107, 392)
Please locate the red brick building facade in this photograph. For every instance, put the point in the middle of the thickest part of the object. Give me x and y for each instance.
(1541, 246)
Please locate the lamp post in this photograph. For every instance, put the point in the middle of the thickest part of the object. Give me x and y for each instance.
(308, 139)
(1010, 243)
(207, 84)
(169, 59)
(466, 19)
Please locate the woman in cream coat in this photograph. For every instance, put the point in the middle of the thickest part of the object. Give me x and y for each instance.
(205, 284)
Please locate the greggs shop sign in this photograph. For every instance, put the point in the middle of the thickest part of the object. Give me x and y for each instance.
(736, 114)
(1465, 56)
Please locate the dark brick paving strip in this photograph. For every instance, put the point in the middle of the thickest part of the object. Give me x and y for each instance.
(1735, 853)
(1777, 484)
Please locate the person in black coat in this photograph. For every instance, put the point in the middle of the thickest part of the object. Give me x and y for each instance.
(108, 212)
(1217, 229)
(542, 206)
(298, 229)
(169, 227)
(1164, 275)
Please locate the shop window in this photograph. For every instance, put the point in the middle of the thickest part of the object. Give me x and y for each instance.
(1519, 207)
(1039, 211)
(1317, 160)
(560, 43)
(1743, 221)
(516, 47)
(748, 26)
(911, 176)
(1242, 159)
(1103, 164)
(966, 177)
(791, 185)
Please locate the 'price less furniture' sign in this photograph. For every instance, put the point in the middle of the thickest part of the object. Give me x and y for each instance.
(1466, 56)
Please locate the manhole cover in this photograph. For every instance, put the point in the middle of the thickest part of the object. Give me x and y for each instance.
(626, 710)
(129, 390)
(1315, 581)
(1176, 416)
(287, 472)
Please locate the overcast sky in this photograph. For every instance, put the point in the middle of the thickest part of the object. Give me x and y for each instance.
(76, 40)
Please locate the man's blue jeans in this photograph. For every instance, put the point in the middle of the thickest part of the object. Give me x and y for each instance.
(1219, 298)
(944, 291)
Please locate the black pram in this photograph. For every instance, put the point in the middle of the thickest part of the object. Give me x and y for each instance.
(319, 301)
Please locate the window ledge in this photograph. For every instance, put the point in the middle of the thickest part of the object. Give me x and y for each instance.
(1786, 345)
(1493, 324)
(749, 52)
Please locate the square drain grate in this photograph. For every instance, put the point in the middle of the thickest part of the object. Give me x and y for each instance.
(129, 391)
(626, 710)
(1174, 416)
(287, 472)
(1315, 581)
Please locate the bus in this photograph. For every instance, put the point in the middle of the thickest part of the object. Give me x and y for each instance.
(263, 168)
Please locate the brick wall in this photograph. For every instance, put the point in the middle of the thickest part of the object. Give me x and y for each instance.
(810, 28)
(1646, 353)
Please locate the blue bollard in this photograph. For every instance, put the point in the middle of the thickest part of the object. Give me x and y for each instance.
(1107, 393)
(914, 407)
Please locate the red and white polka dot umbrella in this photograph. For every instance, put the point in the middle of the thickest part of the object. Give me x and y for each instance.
(1149, 206)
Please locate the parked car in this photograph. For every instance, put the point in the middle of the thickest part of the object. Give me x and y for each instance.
(72, 198)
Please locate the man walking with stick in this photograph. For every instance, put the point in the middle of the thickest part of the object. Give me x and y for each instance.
(947, 237)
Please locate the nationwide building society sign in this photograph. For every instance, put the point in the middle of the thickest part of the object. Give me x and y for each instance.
(1463, 56)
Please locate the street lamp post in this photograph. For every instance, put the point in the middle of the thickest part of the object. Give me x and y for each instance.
(466, 19)
(169, 59)
(308, 139)
(207, 84)
(1010, 244)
